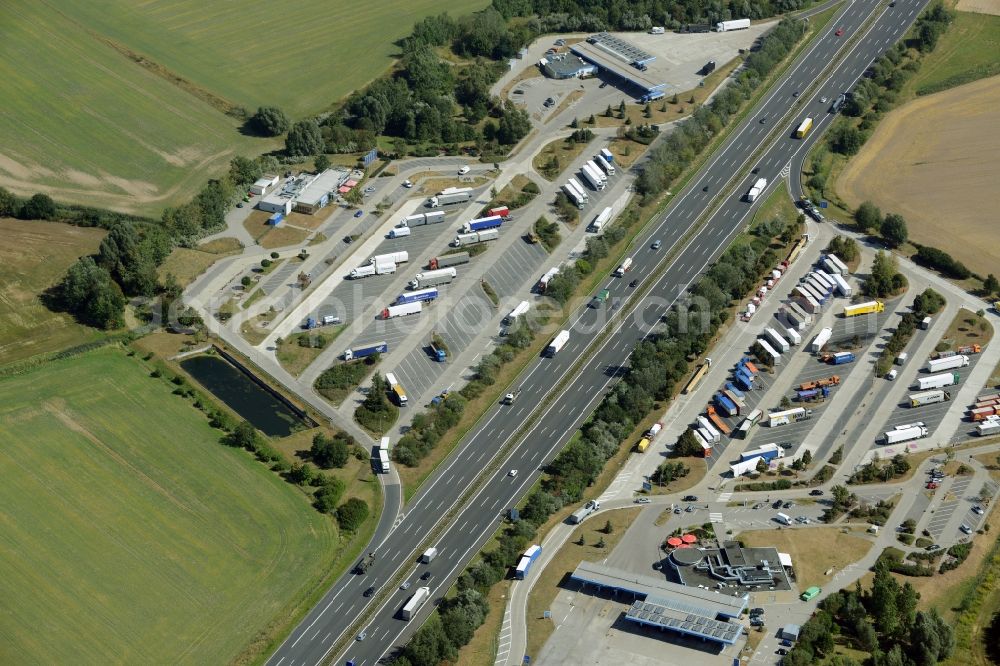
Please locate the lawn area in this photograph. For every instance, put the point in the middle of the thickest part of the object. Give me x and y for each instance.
(967, 51)
(131, 534)
(34, 255)
(185, 264)
(813, 551)
(967, 328)
(553, 159)
(565, 562)
(295, 357)
(283, 236)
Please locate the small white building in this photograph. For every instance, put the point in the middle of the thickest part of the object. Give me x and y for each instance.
(276, 202)
(263, 184)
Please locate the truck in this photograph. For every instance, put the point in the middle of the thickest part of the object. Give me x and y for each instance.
(601, 220)
(841, 266)
(803, 128)
(832, 380)
(385, 268)
(708, 431)
(988, 427)
(938, 381)
(603, 164)
(418, 295)
(402, 310)
(383, 461)
(502, 211)
(624, 268)
(970, 349)
(768, 452)
(779, 342)
(462, 240)
(708, 68)
(735, 24)
(593, 179)
(433, 278)
(752, 419)
(744, 379)
(651, 96)
(596, 170)
(867, 307)
(365, 351)
(447, 260)
(607, 155)
(905, 433)
(400, 257)
(728, 407)
(734, 394)
(771, 352)
(799, 312)
(793, 336)
(329, 320)
(843, 288)
(657, 30)
(821, 339)
(756, 190)
(695, 378)
(838, 103)
(483, 223)
(396, 389)
(812, 394)
(575, 184)
(983, 413)
(421, 219)
(399, 232)
(428, 555)
(520, 309)
(787, 416)
(439, 354)
(929, 397)
(579, 515)
(574, 196)
(654, 430)
(838, 358)
(416, 601)
(543, 282)
(524, 565)
(947, 363)
(449, 196)
(717, 421)
(558, 342)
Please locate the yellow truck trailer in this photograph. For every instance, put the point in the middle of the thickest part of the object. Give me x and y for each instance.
(804, 128)
(643, 444)
(864, 308)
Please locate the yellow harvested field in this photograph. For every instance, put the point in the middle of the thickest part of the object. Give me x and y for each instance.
(934, 161)
(979, 6)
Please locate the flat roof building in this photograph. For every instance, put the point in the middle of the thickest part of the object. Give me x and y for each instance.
(566, 66)
(263, 184)
(620, 59)
(731, 567)
(305, 193)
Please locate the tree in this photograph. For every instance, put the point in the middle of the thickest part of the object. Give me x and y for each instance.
(322, 163)
(301, 474)
(429, 646)
(355, 196)
(329, 452)
(328, 494)
(687, 445)
(608, 529)
(894, 229)
(868, 217)
(304, 138)
(761, 465)
(352, 514)
(990, 285)
(269, 121)
(8, 203)
(88, 292)
(38, 207)
(132, 256)
(906, 602)
(884, 596)
(244, 171)
(807, 457)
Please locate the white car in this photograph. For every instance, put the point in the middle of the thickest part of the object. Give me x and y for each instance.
(978, 509)
(407, 184)
(512, 473)
(642, 500)
(405, 585)
(463, 170)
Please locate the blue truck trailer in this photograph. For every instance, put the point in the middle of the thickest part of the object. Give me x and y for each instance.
(529, 557)
(418, 295)
(366, 350)
(732, 387)
(483, 223)
(727, 406)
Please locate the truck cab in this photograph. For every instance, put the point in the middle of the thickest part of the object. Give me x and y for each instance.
(511, 397)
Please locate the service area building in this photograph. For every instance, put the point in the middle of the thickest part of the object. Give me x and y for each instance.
(305, 193)
(263, 184)
(622, 60)
(567, 66)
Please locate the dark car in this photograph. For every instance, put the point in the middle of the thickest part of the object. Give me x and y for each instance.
(633, 283)
(370, 591)
(756, 611)
(816, 493)
(776, 505)
(426, 575)
(690, 498)
(781, 651)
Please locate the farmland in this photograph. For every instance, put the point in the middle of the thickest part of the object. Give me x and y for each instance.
(33, 256)
(130, 533)
(948, 138)
(84, 122)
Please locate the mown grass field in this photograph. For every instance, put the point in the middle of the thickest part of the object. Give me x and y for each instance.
(967, 50)
(34, 256)
(129, 533)
(85, 123)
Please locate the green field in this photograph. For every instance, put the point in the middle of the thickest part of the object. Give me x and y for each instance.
(34, 255)
(130, 535)
(966, 51)
(84, 123)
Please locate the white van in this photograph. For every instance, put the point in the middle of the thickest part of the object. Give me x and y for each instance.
(783, 518)
(429, 555)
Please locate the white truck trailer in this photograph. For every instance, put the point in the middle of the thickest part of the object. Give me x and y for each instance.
(736, 24)
(938, 381)
(820, 340)
(947, 363)
(400, 257)
(402, 310)
(462, 240)
(779, 342)
(592, 178)
(558, 342)
(382, 268)
(928, 397)
(416, 601)
(573, 195)
(905, 433)
(433, 278)
(601, 220)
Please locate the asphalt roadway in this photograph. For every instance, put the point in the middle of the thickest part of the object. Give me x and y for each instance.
(317, 634)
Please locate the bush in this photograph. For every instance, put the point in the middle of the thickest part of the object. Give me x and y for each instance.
(268, 121)
(931, 257)
(352, 514)
(326, 497)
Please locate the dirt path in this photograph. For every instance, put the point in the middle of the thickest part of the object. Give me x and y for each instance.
(934, 160)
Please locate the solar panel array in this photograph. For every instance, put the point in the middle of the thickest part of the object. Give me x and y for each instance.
(619, 47)
(654, 614)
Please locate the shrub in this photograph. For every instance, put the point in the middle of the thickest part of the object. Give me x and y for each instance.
(352, 514)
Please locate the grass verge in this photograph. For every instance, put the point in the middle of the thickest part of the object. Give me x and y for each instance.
(297, 351)
(813, 551)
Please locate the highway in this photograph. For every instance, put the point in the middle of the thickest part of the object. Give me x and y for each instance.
(312, 641)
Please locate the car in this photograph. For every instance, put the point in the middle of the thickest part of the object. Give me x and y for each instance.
(560, 42)
(788, 505)
(689, 508)
(759, 505)
(405, 585)
(816, 492)
(776, 504)
(763, 120)
(822, 100)
(705, 189)
(677, 509)
(362, 636)
(756, 622)
(512, 473)
(978, 510)
(755, 170)
(965, 528)
(518, 92)
(933, 547)
(370, 592)
(690, 498)
(407, 184)
(656, 245)
(359, 213)
(348, 240)
(464, 169)
(932, 486)
(840, 32)
(642, 500)
(239, 205)
(426, 575)
(781, 651)
(548, 102)
(634, 283)
(892, 4)
(786, 643)
(756, 611)
(795, 94)
(369, 189)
